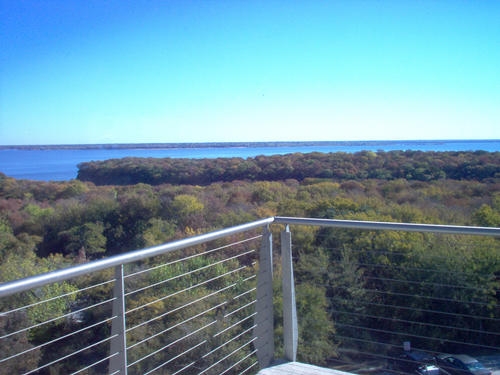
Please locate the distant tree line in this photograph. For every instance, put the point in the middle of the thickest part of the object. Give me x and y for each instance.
(409, 165)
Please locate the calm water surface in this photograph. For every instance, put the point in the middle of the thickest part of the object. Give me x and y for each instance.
(61, 165)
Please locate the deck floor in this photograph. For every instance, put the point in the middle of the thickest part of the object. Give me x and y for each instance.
(297, 368)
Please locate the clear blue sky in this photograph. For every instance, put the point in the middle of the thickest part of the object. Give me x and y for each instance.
(92, 71)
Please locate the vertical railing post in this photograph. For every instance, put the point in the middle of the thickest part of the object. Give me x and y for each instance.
(118, 349)
(264, 322)
(290, 330)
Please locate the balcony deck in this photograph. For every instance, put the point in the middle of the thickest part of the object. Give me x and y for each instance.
(297, 368)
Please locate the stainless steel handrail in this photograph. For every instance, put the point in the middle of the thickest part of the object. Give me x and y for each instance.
(379, 225)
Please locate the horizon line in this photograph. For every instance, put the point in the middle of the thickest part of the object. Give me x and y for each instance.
(221, 144)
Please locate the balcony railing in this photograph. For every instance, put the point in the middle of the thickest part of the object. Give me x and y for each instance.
(204, 305)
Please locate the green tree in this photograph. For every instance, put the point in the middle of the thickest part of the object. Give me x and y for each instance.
(316, 330)
(158, 231)
(20, 265)
(487, 216)
(85, 240)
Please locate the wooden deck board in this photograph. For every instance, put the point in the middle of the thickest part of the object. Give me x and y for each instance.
(297, 368)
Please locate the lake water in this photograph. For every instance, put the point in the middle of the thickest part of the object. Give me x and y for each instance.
(61, 164)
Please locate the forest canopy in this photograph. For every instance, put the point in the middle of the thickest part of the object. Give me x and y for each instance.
(409, 165)
(148, 201)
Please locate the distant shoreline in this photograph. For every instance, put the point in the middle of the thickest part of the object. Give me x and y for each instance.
(60, 162)
(132, 146)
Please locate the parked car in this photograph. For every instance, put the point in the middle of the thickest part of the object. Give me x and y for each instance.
(413, 362)
(461, 364)
(428, 369)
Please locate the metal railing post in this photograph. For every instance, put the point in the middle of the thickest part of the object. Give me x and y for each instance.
(290, 329)
(264, 322)
(118, 346)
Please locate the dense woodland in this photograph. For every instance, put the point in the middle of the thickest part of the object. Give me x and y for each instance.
(409, 165)
(121, 205)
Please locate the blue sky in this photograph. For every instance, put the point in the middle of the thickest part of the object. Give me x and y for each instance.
(213, 71)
